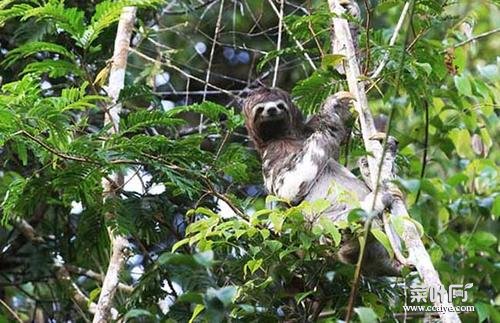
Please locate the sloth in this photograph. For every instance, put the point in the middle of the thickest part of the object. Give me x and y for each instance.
(299, 163)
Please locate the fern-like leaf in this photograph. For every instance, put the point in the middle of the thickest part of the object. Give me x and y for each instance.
(209, 109)
(106, 14)
(70, 20)
(33, 48)
(53, 68)
(17, 10)
(142, 119)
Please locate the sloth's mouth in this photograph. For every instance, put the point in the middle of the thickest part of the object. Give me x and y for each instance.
(273, 127)
(270, 120)
(273, 118)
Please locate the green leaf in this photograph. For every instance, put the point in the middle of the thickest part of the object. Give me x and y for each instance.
(411, 185)
(426, 67)
(274, 245)
(22, 152)
(94, 295)
(286, 252)
(483, 239)
(271, 198)
(320, 205)
(398, 224)
(33, 48)
(191, 297)
(356, 215)
(197, 310)
(134, 313)
(482, 311)
(301, 296)
(12, 197)
(384, 6)
(496, 207)
(7, 120)
(177, 259)
(383, 239)
(366, 314)
(205, 258)
(485, 136)
(209, 109)
(225, 294)
(311, 92)
(106, 14)
(143, 119)
(463, 84)
(70, 20)
(331, 60)
(277, 220)
(463, 142)
(253, 265)
(331, 229)
(180, 243)
(417, 224)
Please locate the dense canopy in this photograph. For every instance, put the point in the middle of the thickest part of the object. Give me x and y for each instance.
(178, 179)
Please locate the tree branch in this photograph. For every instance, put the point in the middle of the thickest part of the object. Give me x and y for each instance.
(212, 51)
(80, 299)
(485, 34)
(95, 276)
(417, 252)
(11, 311)
(278, 44)
(297, 42)
(392, 41)
(116, 83)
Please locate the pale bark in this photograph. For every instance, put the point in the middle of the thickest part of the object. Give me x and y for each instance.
(392, 41)
(96, 276)
(418, 255)
(119, 243)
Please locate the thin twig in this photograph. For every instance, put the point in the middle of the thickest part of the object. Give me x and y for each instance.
(367, 33)
(208, 92)
(465, 42)
(297, 42)
(95, 162)
(11, 311)
(190, 10)
(426, 147)
(54, 151)
(212, 51)
(278, 44)
(77, 296)
(96, 276)
(392, 41)
(168, 64)
(311, 29)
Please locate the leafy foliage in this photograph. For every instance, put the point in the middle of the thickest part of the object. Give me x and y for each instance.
(204, 246)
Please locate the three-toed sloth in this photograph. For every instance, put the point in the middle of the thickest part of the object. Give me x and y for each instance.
(299, 162)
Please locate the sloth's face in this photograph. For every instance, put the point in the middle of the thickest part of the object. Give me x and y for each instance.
(270, 111)
(271, 118)
(270, 115)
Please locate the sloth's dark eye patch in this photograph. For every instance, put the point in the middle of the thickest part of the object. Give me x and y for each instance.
(281, 106)
(259, 110)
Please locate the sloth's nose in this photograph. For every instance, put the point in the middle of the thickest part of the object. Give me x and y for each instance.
(272, 111)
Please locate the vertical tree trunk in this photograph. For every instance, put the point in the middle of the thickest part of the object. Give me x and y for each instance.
(111, 117)
(418, 255)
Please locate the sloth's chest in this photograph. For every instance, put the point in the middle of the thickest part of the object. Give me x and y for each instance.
(291, 176)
